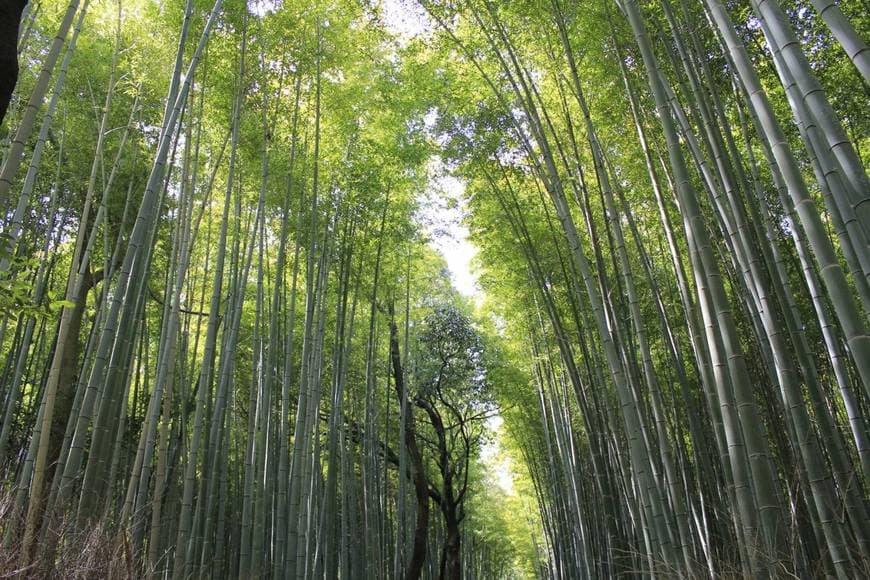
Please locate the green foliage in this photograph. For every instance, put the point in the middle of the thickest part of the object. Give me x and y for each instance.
(16, 286)
(451, 359)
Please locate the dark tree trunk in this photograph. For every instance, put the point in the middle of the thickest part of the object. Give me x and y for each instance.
(10, 19)
(451, 557)
(449, 499)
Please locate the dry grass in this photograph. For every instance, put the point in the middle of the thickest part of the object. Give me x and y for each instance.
(93, 553)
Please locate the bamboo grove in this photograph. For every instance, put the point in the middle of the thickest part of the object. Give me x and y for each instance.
(230, 349)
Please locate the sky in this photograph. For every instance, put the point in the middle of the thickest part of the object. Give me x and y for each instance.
(405, 17)
(443, 213)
